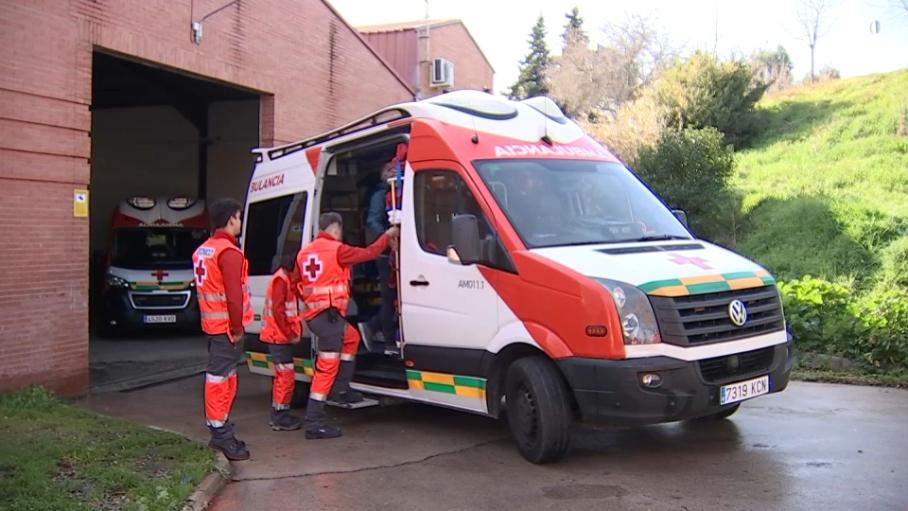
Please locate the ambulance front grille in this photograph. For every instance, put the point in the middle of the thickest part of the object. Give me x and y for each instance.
(153, 301)
(738, 366)
(703, 319)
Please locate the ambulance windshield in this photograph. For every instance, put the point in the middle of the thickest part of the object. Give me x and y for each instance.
(155, 247)
(574, 202)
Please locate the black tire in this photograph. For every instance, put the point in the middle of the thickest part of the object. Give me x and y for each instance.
(722, 414)
(300, 394)
(538, 409)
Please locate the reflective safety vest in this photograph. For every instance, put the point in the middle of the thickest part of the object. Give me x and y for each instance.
(209, 285)
(323, 282)
(270, 330)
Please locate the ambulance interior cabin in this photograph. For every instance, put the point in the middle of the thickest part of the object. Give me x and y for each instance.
(352, 176)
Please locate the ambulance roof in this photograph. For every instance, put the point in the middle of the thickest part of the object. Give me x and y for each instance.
(529, 120)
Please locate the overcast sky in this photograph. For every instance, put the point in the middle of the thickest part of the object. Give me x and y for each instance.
(502, 27)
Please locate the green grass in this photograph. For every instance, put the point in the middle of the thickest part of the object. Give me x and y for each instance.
(825, 186)
(54, 456)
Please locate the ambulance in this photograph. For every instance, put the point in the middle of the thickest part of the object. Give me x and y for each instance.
(539, 277)
(148, 280)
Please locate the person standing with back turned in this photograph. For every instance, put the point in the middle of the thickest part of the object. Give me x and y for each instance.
(281, 330)
(324, 287)
(220, 270)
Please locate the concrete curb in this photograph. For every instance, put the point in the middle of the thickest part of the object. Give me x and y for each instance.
(208, 489)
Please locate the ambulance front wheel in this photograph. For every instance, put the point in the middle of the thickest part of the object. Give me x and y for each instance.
(538, 409)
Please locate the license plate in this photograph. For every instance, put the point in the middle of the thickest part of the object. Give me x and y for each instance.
(743, 390)
(161, 318)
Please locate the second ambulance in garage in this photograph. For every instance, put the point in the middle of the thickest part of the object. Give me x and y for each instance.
(148, 280)
(538, 275)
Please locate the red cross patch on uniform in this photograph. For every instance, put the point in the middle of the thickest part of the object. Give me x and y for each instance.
(313, 268)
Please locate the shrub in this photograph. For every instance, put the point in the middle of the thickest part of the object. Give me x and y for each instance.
(690, 169)
(820, 315)
(702, 92)
(826, 317)
(883, 342)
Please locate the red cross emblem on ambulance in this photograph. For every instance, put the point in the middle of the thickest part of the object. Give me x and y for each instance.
(313, 267)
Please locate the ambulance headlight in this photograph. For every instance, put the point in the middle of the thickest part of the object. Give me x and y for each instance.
(142, 203)
(114, 281)
(638, 321)
(180, 203)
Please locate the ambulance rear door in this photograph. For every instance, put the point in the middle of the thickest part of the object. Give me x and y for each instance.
(279, 207)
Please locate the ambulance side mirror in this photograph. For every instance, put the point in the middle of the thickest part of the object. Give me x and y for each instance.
(465, 247)
(681, 215)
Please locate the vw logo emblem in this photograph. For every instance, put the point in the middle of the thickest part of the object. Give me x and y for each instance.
(737, 312)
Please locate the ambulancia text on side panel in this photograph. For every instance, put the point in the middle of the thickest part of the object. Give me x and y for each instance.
(538, 275)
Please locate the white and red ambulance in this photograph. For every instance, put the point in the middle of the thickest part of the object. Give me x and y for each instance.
(148, 278)
(538, 275)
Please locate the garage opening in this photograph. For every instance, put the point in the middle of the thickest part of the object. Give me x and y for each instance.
(162, 143)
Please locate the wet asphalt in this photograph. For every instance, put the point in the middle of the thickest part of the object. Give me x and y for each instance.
(813, 446)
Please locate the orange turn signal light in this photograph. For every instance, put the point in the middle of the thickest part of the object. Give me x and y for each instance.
(596, 330)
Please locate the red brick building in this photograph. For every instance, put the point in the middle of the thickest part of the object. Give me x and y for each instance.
(79, 74)
(404, 46)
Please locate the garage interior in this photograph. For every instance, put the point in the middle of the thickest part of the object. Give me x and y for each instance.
(156, 132)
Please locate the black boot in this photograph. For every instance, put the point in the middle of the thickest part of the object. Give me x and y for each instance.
(222, 439)
(281, 420)
(341, 392)
(316, 423)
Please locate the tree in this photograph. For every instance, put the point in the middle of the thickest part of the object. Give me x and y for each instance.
(592, 83)
(533, 79)
(773, 68)
(812, 18)
(573, 31)
(702, 92)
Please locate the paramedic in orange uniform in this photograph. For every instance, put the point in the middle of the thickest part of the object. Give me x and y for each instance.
(324, 287)
(221, 284)
(281, 330)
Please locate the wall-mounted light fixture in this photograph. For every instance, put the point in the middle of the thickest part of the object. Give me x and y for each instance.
(196, 26)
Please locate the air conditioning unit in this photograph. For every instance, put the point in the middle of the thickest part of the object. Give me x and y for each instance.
(442, 73)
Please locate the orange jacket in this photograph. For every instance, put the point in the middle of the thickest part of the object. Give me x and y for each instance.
(211, 292)
(281, 315)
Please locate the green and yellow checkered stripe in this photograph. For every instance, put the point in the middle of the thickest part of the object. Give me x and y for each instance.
(466, 386)
(708, 283)
(154, 286)
(263, 361)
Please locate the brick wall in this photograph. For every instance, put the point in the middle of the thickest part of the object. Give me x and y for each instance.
(471, 70)
(314, 73)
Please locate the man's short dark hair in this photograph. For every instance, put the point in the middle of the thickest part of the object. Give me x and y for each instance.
(326, 219)
(288, 262)
(220, 211)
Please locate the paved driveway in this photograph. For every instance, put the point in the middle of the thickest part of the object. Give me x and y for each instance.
(814, 446)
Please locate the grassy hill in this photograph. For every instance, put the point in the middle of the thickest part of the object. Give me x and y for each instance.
(824, 189)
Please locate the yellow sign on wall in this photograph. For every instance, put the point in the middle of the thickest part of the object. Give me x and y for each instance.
(80, 203)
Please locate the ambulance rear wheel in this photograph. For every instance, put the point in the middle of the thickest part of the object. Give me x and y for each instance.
(538, 409)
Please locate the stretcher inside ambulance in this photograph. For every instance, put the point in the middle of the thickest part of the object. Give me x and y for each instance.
(539, 277)
(148, 280)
